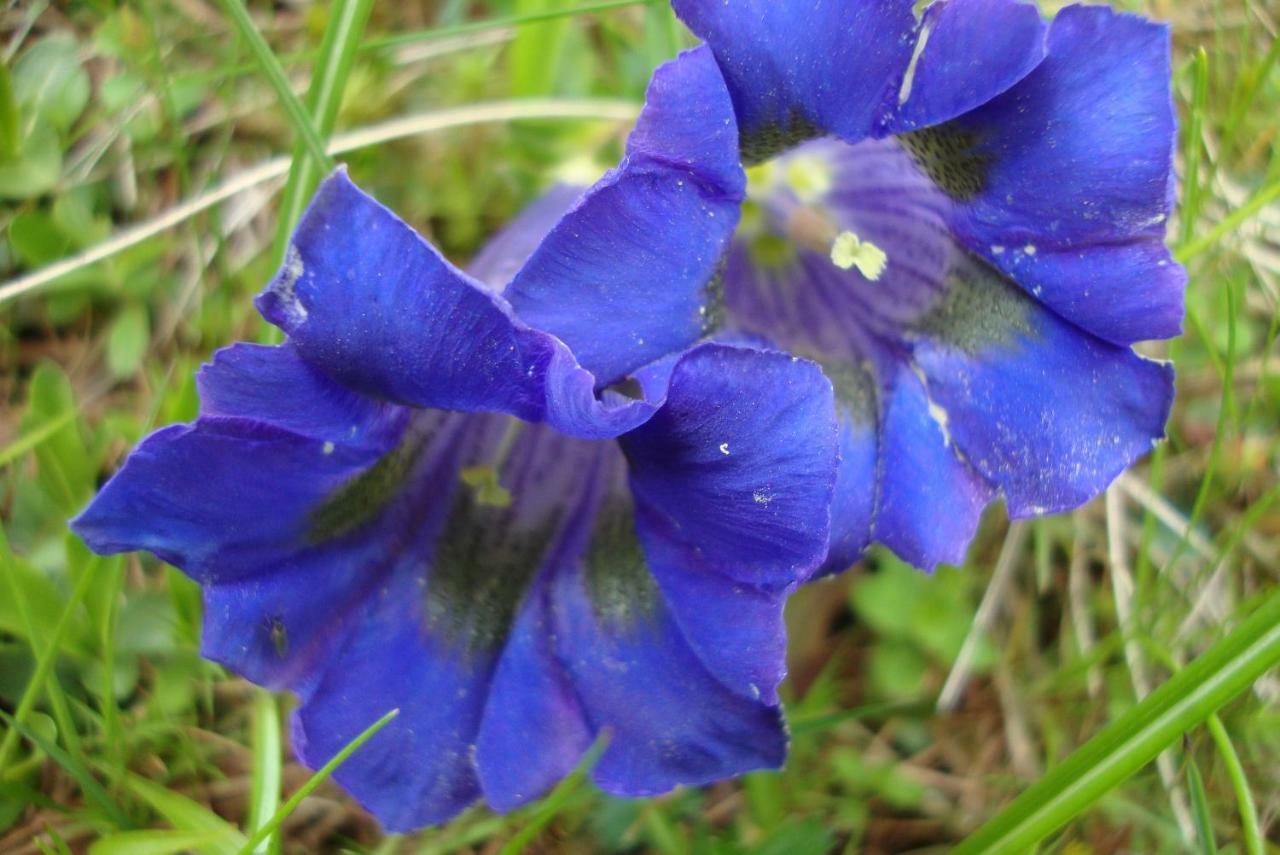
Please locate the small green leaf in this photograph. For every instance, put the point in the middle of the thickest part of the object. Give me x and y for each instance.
(36, 238)
(37, 167)
(127, 341)
(49, 80)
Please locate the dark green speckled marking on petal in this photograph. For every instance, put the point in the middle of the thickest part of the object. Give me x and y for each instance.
(855, 389)
(769, 141)
(949, 155)
(981, 309)
(481, 571)
(619, 584)
(359, 501)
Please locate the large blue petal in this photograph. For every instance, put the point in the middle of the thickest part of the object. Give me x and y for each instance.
(1075, 170)
(929, 500)
(221, 498)
(624, 278)
(1044, 410)
(802, 68)
(740, 463)
(372, 305)
(534, 730)
(419, 770)
(974, 50)
(670, 720)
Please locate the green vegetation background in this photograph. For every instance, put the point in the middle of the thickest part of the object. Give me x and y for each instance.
(113, 114)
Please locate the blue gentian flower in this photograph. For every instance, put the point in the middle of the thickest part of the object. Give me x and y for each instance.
(962, 217)
(525, 519)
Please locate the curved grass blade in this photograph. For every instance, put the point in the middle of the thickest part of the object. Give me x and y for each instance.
(314, 781)
(298, 116)
(511, 110)
(1250, 828)
(328, 80)
(1224, 671)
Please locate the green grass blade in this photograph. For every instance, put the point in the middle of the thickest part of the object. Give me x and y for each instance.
(93, 791)
(187, 815)
(1200, 810)
(347, 19)
(521, 20)
(152, 843)
(1250, 829)
(1250, 209)
(44, 658)
(1193, 146)
(555, 801)
(270, 66)
(314, 781)
(267, 769)
(1137, 737)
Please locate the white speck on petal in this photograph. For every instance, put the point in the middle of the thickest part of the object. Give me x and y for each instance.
(724, 449)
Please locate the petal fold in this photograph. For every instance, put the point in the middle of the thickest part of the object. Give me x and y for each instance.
(974, 51)
(739, 465)
(803, 69)
(625, 277)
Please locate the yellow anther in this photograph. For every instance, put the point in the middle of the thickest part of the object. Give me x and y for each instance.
(849, 251)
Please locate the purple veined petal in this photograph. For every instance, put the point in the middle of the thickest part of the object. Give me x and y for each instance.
(624, 278)
(853, 506)
(798, 69)
(955, 352)
(973, 51)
